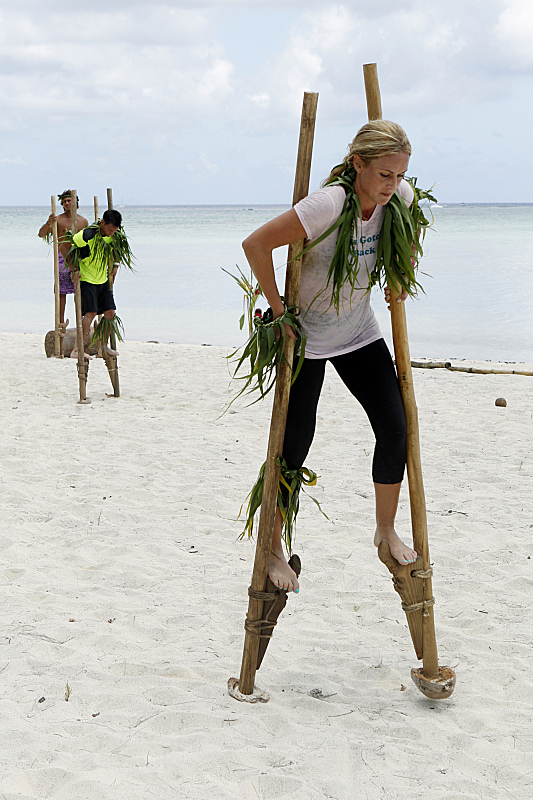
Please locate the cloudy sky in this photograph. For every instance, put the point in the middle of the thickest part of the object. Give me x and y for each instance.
(198, 101)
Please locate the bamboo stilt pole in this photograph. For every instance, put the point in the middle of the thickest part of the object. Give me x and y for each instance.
(279, 413)
(430, 673)
(373, 95)
(83, 364)
(112, 361)
(96, 215)
(57, 339)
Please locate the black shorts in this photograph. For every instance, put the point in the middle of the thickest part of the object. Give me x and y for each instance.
(96, 297)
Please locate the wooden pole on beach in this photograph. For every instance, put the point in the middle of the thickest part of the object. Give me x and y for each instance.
(57, 339)
(279, 417)
(111, 361)
(432, 681)
(83, 364)
(96, 215)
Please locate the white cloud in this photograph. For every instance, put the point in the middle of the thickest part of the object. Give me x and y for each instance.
(262, 100)
(17, 160)
(160, 61)
(208, 165)
(515, 31)
(155, 85)
(164, 62)
(431, 54)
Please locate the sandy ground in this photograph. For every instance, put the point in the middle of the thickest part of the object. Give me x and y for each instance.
(123, 577)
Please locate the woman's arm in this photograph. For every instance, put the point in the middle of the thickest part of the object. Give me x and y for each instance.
(258, 247)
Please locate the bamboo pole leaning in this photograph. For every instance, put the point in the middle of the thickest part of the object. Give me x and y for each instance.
(57, 338)
(99, 317)
(83, 364)
(111, 361)
(244, 688)
(433, 681)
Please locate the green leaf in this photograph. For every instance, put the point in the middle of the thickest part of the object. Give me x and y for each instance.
(293, 481)
(263, 351)
(105, 327)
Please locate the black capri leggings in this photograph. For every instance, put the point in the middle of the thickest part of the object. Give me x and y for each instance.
(370, 376)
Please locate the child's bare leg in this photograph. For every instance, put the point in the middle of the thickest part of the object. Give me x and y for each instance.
(279, 571)
(387, 496)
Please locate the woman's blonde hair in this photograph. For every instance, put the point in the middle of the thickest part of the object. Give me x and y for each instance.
(377, 138)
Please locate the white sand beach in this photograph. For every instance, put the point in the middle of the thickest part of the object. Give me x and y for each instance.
(122, 575)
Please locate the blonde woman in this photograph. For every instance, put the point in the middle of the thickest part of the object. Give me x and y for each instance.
(342, 329)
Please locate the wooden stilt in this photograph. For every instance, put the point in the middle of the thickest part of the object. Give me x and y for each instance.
(279, 418)
(96, 215)
(112, 361)
(83, 364)
(432, 681)
(57, 339)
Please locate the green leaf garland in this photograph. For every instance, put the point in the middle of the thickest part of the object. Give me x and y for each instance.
(264, 350)
(399, 247)
(293, 480)
(105, 327)
(251, 295)
(117, 251)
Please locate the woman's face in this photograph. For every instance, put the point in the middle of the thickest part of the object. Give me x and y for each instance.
(377, 181)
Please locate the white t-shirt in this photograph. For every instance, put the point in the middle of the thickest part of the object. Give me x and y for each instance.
(328, 333)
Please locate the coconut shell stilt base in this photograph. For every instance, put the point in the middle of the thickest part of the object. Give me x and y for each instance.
(275, 601)
(409, 582)
(273, 608)
(257, 695)
(112, 368)
(439, 687)
(83, 374)
(410, 587)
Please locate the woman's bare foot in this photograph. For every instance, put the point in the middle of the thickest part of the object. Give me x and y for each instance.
(400, 551)
(110, 351)
(280, 573)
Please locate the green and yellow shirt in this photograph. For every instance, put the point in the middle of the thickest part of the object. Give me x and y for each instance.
(93, 256)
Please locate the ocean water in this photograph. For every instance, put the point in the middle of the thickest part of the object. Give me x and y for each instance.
(478, 271)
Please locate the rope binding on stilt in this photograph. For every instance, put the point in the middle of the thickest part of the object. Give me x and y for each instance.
(83, 370)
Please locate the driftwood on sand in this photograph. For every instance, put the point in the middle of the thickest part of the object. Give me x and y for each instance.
(476, 370)
(68, 341)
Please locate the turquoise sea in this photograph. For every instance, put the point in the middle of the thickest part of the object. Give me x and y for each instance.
(477, 302)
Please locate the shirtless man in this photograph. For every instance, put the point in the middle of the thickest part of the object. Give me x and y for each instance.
(64, 223)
